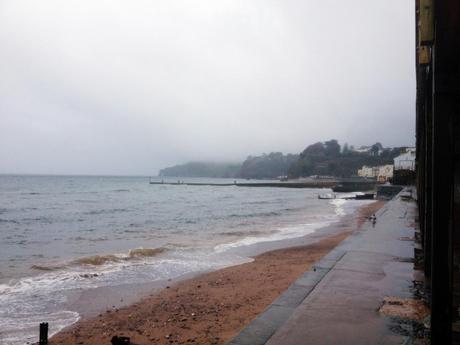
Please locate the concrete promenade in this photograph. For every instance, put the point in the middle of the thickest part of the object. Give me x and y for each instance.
(338, 301)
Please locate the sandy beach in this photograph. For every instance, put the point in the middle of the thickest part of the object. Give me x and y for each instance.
(213, 307)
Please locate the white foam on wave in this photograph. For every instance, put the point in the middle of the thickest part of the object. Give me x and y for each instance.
(23, 328)
(338, 203)
(293, 231)
(288, 232)
(28, 301)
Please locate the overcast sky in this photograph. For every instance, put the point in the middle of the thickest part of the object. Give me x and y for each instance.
(129, 87)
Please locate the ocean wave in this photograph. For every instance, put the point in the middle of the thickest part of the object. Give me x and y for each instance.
(289, 209)
(138, 253)
(46, 268)
(251, 215)
(96, 260)
(292, 231)
(100, 260)
(42, 219)
(89, 239)
(23, 328)
(128, 231)
(28, 209)
(258, 202)
(105, 211)
(26, 302)
(13, 221)
(146, 252)
(243, 233)
(338, 203)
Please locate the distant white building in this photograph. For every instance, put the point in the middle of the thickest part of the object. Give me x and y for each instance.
(406, 160)
(382, 173)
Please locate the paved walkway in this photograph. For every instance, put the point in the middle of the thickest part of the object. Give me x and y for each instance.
(338, 301)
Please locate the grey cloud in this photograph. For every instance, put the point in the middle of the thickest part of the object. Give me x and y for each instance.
(118, 87)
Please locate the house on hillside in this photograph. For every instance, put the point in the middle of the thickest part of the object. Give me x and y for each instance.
(406, 160)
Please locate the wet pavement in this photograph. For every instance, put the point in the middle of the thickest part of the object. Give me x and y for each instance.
(338, 301)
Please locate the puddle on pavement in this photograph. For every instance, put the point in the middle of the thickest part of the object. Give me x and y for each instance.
(408, 317)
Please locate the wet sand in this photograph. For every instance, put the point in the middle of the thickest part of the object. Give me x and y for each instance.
(213, 307)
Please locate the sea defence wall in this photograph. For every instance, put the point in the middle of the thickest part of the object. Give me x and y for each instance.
(387, 192)
(365, 291)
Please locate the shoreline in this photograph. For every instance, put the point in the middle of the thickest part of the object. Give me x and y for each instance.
(211, 307)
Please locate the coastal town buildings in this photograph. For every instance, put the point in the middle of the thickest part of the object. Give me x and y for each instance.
(369, 172)
(402, 169)
(382, 173)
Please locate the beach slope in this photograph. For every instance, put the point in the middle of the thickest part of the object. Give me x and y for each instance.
(213, 307)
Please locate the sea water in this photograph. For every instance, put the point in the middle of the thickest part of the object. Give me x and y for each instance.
(59, 233)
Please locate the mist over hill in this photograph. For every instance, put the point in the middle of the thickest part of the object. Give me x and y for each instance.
(202, 169)
(267, 166)
(321, 158)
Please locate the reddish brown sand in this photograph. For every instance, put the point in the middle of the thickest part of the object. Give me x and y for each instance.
(211, 308)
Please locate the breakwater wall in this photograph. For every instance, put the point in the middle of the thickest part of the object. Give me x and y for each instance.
(335, 185)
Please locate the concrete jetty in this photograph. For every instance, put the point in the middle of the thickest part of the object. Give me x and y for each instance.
(182, 183)
(337, 185)
(339, 301)
(281, 184)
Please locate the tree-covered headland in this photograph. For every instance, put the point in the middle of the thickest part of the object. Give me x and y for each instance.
(326, 158)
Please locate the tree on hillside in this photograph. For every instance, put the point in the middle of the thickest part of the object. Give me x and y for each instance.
(376, 148)
(316, 149)
(269, 165)
(327, 159)
(332, 148)
(202, 169)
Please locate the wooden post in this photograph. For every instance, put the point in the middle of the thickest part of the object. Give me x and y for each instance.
(43, 339)
(424, 55)
(426, 26)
